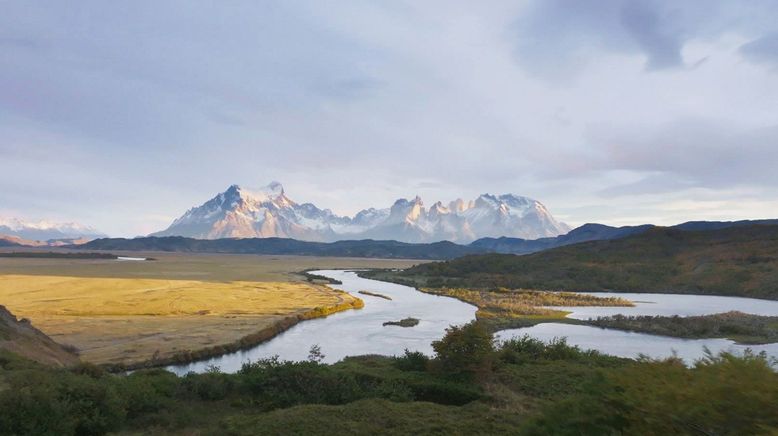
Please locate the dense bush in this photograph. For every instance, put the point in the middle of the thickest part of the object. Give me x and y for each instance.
(283, 384)
(526, 349)
(466, 351)
(41, 403)
(412, 361)
(212, 385)
(722, 395)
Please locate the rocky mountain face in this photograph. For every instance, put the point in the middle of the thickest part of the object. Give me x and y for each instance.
(47, 232)
(242, 213)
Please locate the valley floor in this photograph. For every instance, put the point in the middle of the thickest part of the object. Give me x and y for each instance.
(174, 309)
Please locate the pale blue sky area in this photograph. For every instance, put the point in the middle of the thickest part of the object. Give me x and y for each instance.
(615, 111)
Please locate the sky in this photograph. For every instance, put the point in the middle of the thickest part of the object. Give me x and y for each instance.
(122, 115)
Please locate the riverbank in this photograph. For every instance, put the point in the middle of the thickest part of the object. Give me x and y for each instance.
(245, 342)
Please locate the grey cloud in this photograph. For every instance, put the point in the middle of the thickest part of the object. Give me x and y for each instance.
(689, 153)
(762, 50)
(650, 29)
(557, 37)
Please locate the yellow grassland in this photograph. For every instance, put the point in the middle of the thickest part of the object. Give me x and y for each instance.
(119, 320)
(179, 307)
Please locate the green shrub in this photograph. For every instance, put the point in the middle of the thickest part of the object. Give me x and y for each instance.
(722, 395)
(88, 369)
(34, 410)
(95, 407)
(465, 351)
(284, 384)
(212, 385)
(412, 361)
(140, 395)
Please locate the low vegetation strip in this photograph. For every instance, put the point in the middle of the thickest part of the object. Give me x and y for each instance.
(735, 261)
(737, 326)
(314, 278)
(374, 294)
(503, 308)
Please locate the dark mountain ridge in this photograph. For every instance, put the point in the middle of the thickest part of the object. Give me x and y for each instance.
(598, 232)
(391, 249)
(283, 246)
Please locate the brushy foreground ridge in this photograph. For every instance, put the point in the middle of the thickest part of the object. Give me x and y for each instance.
(470, 386)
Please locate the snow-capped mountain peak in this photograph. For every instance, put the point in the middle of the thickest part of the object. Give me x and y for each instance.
(266, 212)
(45, 230)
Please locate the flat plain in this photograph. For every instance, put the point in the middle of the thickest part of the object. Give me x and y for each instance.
(126, 312)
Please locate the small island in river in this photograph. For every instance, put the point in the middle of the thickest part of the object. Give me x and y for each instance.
(407, 322)
(374, 294)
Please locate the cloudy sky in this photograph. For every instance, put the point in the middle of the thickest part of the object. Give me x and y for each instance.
(122, 116)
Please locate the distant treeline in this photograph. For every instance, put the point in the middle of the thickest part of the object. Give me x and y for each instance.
(282, 246)
(58, 255)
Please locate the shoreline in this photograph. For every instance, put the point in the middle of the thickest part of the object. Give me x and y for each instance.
(244, 343)
(495, 322)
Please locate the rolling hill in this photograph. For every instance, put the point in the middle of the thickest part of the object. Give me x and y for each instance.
(737, 261)
(20, 337)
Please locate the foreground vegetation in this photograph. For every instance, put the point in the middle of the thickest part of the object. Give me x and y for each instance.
(472, 385)
(735, 261)
(737, 326)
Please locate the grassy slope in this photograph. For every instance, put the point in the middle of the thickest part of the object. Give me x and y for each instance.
(19, 336)
(736, 261)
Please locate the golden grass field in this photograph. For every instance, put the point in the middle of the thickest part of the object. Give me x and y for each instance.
(126, 312)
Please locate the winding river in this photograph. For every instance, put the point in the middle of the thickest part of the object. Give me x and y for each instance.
(358, 332)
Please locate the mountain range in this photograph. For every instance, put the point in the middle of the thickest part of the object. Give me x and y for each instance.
(15, 231)
(269, 212)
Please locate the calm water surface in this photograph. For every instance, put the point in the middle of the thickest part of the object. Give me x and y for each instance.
(357, 332)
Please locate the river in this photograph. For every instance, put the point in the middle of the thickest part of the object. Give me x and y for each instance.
(358, 332)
